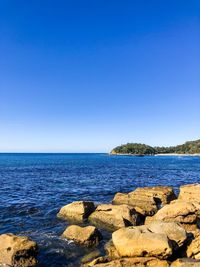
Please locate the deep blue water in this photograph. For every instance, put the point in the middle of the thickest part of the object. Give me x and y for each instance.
(33, 187)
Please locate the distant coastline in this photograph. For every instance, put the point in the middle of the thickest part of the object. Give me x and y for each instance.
(164, 154)
(190, 148)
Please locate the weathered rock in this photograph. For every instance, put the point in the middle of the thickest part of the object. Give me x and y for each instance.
(17, 251)
(193, 250)
(87, 236)
(113, 217)
(174, 231)
(180, 211)
(111, 250)
(190, 193)
(77, 211)
(139, 241)
(146, 200)
(129, 262)
(91, 256)
(185, 262)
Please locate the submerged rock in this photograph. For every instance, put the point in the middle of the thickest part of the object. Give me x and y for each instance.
(77, 211)
(113, 217)
(91, 256)
(146, 200)
(17, 251)
(139, 241)
(87, 236)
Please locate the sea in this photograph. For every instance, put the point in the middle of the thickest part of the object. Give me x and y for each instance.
(33, 187)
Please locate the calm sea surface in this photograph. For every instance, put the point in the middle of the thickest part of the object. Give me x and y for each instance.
(33, 187)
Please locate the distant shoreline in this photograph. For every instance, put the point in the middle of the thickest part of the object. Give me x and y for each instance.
(162, 154)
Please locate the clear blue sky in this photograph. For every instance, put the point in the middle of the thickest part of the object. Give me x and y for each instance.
(85, 76)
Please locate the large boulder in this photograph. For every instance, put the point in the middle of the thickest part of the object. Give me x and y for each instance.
(190, 193)
(179, 211)
(139, 241)
(185, 262)
(87, 236)
(174, 231)
(17, 251)
(128, 262)
(77, 211)
(193, 250)
(113, 217)
(146, 200)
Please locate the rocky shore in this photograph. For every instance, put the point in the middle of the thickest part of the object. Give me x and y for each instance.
(150, 227)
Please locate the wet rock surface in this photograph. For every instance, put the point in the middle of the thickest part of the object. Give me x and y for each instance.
(87, 236)
(77, 211)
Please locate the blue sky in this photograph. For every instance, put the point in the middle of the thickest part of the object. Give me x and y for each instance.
(85, 76)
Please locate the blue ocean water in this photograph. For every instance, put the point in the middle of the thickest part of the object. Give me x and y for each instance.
(33, 187)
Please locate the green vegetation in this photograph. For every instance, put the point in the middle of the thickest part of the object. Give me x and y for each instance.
(134, 149)
(191, 147)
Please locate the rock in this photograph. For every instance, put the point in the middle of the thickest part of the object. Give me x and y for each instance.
(17, 251)
(111, 250)
(113, 217)
(185, 262)
(87, 236)
(180, 211)
(190, 193)
(77, 211)
(174, 231)
(193, 250)
(139, 241)
(91, 256)
(129, 262)
(146, 200)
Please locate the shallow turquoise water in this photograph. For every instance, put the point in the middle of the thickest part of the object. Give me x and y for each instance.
(34, 187)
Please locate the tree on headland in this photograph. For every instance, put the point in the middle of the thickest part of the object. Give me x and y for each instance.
(190, 147)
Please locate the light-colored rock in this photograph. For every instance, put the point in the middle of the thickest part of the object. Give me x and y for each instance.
(129, 262)
(190, 193)
(141, 205)
(146, 200)
(180, 211)
(193, 250)
(185, 262)
(77, 211)
(87, 236)
(174, 231)
(113, 217)
(17, 251)
(139, 241)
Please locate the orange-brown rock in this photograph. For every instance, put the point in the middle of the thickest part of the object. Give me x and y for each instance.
(180, 211)
(129, 262)
(17, 251)
(77, 211)
(87, 236)
(190, 193)
(139, 241)
(185, 262)
(146, 200)
(193, 250)
(113, 217)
